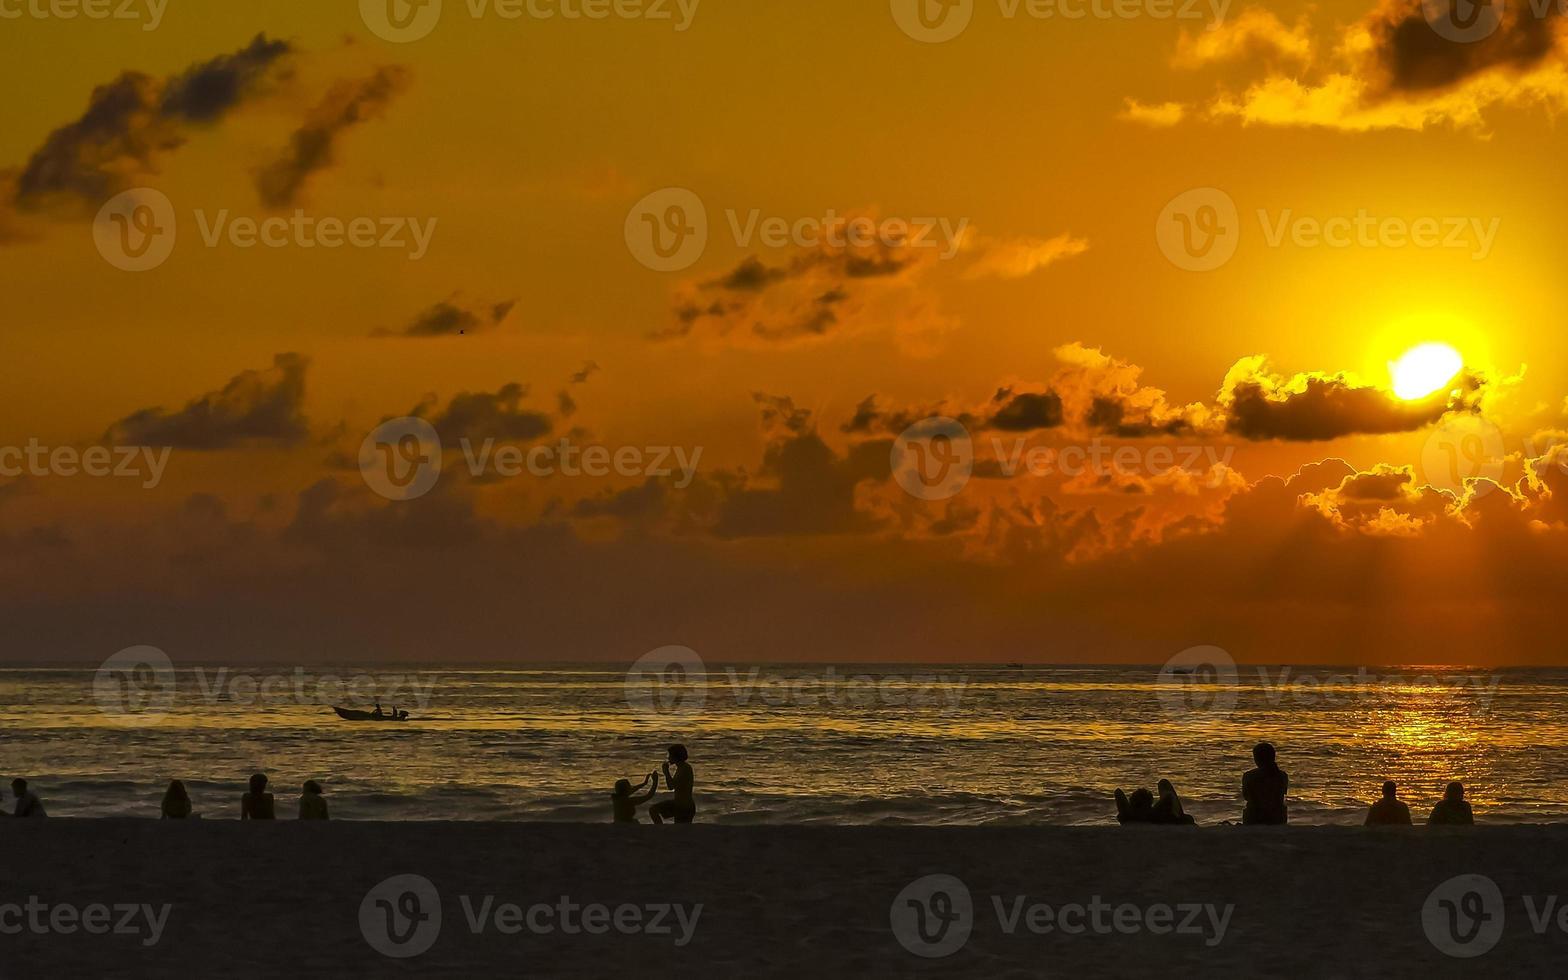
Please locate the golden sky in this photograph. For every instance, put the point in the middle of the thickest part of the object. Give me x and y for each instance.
(1195, 233)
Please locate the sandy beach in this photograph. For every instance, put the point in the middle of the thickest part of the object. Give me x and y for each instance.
(292, 899)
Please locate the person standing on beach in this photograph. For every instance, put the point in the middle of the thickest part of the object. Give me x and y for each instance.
(1264, 788)
(1452, 810)
(27, 802)
(1390, 810)
(257, 804)
(312, 805)
(682, 808)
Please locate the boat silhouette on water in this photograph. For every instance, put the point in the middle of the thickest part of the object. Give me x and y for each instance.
(351, 714)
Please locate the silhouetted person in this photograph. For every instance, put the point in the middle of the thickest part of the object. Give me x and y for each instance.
(1452, 808)
(681, 807)
(27, 802)
(1264, 788)
(257, 804)
(176, 802)
(312, 805)
(1137, 808)
(624, 804)
(376, 714)
(1168, 808)
(1390, 810)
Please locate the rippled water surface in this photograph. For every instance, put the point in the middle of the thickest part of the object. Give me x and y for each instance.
(845, 744)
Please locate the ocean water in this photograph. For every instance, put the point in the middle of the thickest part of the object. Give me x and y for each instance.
(787, 743)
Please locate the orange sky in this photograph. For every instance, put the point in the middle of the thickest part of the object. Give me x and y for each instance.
(1050, 306)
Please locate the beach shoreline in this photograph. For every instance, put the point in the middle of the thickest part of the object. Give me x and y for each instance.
(302, 898)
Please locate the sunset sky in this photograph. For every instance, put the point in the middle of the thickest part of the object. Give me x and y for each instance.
(1052, 305)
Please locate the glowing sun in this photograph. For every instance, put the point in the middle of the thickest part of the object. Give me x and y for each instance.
(1425, 370)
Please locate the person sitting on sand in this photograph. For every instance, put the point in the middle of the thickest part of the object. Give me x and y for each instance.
(1389, 811)
(1264, 788)
(176, 802)
(682, 808)
(624, 805)
(27, 802)
(1168, 808)
(257, 804)
(1452, 810)
(1137, 808)
(312, 805)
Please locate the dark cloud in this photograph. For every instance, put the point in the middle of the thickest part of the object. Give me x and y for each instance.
(131, 122)
(205, 92)
(633, 504)
(779, 412)
(452, 317)
(814, 491)
(1320, 407)
(1026, 411)
(477, 416)
(1416, 58)
(263, 407)
(818, 292)
(349, 103)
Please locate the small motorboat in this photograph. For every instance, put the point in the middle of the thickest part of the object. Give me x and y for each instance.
(350, 714)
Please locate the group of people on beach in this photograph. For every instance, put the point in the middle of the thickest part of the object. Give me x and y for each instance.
(258, 804)
(681, 807)
(1263, 790)
(255, 804)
